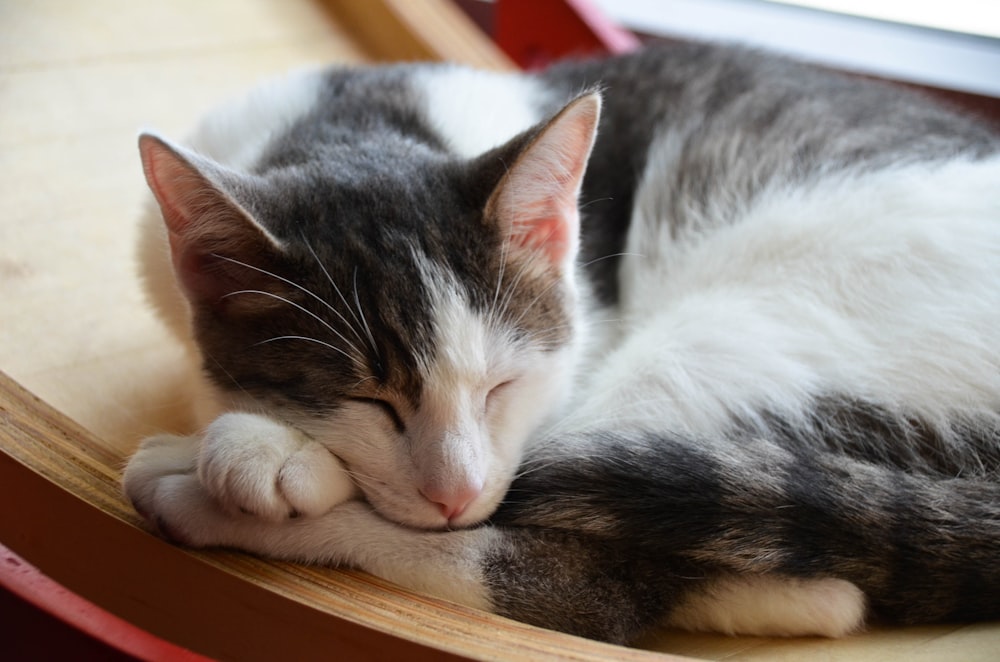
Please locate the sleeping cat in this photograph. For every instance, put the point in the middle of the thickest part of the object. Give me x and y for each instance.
(695, 336)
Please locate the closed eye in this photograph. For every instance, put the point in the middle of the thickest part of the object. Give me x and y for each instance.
(388, 410)
(497, 390)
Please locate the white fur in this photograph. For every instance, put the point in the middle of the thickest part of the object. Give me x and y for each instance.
(475, 111)
(475, 355)
(237, 132)
(253, 464)
(158, 456)
(852, 286)
(767, 606)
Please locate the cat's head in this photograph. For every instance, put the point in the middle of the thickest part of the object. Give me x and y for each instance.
(413, 311)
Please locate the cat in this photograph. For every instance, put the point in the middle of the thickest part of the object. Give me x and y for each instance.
(696, 336)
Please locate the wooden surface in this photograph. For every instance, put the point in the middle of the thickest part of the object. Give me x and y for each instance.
(77, 79)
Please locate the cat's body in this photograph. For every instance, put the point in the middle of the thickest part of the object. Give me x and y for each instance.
(763, 383)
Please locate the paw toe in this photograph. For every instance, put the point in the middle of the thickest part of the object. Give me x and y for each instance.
(313, 481)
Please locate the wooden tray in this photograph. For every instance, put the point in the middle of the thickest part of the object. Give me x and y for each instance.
(76, 82)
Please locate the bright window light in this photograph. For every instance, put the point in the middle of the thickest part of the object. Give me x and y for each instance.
(979, 17)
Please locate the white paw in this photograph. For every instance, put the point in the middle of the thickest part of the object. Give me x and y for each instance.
(255, 465)
(161, 483)
(157, 457)
(774, 606)
(182, 511)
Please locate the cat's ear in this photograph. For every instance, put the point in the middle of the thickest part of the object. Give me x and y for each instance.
(216, 246)
(536, 200)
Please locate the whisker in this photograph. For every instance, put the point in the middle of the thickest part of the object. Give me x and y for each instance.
(504, 253)
(297, 286)
(611, 255)
(590, 202)
(521, 272)
(233, 379)
(301, 308)
(364, 322)
(364, 479)
(353, 359)
(512, 288)
(329, 278)
(536, 464)
(363, 380)
(301, 289)
(527, 309)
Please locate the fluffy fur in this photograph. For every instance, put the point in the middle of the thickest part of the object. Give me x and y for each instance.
(749, 384)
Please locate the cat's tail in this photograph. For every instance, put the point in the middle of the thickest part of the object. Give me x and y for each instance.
(654, 519)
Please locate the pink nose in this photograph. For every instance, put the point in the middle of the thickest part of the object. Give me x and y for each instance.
(452, 500)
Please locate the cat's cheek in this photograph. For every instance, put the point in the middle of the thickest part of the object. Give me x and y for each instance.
(514, 418)
(369, 452)
(527, 404)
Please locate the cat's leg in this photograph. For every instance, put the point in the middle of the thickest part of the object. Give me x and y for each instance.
(248, 463)
(773, 606)
(165, 488)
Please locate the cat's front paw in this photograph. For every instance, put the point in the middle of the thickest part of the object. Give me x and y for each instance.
(162, 474)
(157, 457)
(252, 464)
(162, 484)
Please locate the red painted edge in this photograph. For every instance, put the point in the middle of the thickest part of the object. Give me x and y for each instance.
(29, 584)
(536, 32)
(614, 37)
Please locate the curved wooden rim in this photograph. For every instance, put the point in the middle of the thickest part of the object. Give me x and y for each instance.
(65, 514)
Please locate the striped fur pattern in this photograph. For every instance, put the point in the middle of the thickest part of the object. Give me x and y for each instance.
(695, 336)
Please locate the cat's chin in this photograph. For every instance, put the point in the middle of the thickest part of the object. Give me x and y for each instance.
(429, 523)
(425, 516)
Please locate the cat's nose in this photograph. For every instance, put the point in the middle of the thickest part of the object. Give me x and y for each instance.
(452, 500)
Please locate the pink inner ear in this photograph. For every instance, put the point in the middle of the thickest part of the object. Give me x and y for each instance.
(177, 184)
(538, 197)
(171, 179)
(551, 233)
